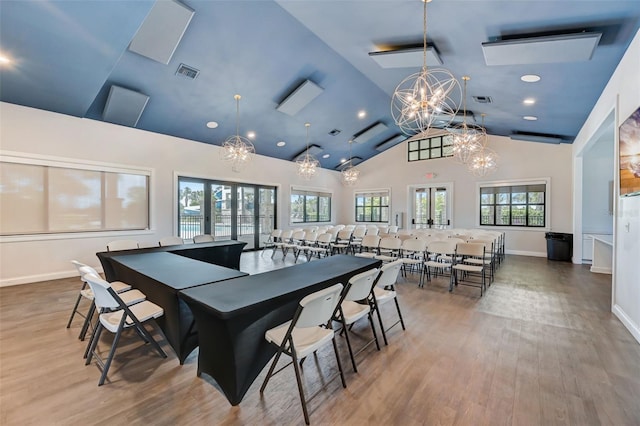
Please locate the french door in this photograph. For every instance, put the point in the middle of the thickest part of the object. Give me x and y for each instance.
(431, 207)
(226, 210)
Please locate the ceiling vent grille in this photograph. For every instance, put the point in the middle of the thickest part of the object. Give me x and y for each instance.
(483, 99)
(187, 71)
(334, 132)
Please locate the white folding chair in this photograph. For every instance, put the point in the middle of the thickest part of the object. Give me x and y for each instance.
(86, 293)
(350, 310)
(115, 316)
(384, 291)
(439, 259)
(464, 272)
(309, 330)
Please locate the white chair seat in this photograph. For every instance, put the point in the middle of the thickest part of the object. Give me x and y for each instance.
(436, 264)
(383, 296)
(411, 261)
(385, 258)
(353, 311)
(305, 340)
(468, 268)
(143, 311)
(119, 286)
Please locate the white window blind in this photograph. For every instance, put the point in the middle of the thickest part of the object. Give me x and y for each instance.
(42, 198)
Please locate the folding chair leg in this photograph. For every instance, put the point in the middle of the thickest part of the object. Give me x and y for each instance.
(112, 352)
(93, 342)
(273, 367)
(384, 334)
(373, 329)
(75, 309)
(353, 359)
(399, 313)
(148, 338)
(303, 399)
(87, 322)
(335, 350)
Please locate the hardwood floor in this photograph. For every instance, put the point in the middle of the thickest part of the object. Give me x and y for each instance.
(541, 347)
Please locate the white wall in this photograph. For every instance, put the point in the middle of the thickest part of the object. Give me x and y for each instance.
(597, 213)
(621, 94)
(45, 134)
(518, 160)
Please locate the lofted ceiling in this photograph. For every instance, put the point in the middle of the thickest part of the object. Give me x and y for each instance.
(65, 56)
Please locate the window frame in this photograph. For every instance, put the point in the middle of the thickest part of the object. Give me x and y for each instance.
(529, 185)
(308, 216)
(90, 166)
(381, 208)
(433, 144)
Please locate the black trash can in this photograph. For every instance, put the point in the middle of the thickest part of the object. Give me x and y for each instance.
(559, 246)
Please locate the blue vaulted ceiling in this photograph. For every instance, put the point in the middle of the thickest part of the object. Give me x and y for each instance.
(67, 54)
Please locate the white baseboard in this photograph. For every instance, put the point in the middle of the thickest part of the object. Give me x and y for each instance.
(601, 270)
(526, 253)
(633, 328)
(28, 279)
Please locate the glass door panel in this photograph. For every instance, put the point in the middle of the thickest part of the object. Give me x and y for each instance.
(267, 214)
(191, 215)
(430, 207)
(245, 224)
(221, 206)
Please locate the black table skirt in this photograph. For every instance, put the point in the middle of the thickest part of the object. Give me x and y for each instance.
(160, 274)
(233, 316)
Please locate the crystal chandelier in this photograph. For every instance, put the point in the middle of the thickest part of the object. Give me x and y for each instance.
(466, 138)
(350, 174)
(426, 98)
(307, 164)
(236, 149)
(485, 161)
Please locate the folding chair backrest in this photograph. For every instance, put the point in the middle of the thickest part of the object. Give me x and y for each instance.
(371, 241)
(285, 236)
(414, 245)
(317, 308)
(310, 236)
(325, 238)
(360, 285)
(442, 247)
(103, 298)
(170, 241)
(203, 238)
(359, 232)
(391, 243)
(87, 270)
(389, 273)
(78, 265)
(298, 236)
(344, 234)
(122, 245)
(372, 230)
(470, 249)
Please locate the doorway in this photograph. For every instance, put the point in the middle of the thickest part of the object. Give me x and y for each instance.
(431, 206)
(226, 210)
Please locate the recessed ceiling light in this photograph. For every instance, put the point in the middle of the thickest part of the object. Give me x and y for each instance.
(343, 160)
(530, 117)
(362, 114)
(529, 101)
(326, 156)
(4, 59)
(212, 124)
(281, 143)
(530, 78)
(251, 135)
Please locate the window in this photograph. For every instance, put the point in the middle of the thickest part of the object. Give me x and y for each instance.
(47, 198)
(513, 205)
(372, 206)
(310, 206)
(430, 148)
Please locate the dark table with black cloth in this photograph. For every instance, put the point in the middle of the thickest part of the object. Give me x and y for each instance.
(233, 316)
(160, 276)
(223, 253)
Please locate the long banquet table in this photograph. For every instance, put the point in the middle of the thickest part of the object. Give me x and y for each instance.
(161, 274)
(232, 316)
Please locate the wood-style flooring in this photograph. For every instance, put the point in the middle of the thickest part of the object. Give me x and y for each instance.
(541, 347)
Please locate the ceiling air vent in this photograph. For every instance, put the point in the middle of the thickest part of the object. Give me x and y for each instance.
(483, 99)
(187, 71)
(334, 132)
